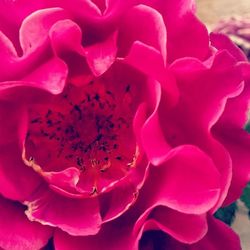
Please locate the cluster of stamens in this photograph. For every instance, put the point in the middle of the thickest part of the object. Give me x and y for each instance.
(90, 133)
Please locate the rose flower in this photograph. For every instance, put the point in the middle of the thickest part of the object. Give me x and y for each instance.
(122, 126)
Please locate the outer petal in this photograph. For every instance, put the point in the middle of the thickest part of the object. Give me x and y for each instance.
(179, 189)
(222, 80)
(101, 56)
(152, 137)
(50, 77)
(13, 172)
(35, 28)
(230, 130)
(184, 228)
(182, 184)
(131, 30)
(17, 232)
(219, 236)
(111, 237)
(75, 216)
(221, 42)
(187, 36)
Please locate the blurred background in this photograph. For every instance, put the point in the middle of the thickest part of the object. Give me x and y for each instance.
(211, 12)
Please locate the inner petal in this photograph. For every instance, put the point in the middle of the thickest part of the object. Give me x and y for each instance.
(89, 128)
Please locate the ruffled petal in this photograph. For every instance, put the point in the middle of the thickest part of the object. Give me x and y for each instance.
(131, 30)
(13, 172)
(101, 56)
(219, 236)
(222, 78)
(17, 232)
(35, 28)
(74, 216)
(111, 237)
(49, 77)
(172, 223)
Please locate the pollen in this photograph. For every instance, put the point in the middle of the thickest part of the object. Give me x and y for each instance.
(88, 128)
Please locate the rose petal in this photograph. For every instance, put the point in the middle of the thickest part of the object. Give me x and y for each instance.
(74, 216)
(101, 56)
(17, 232)
(219, 236)
(181, 183)
(131, 30)
(50, 77)
(222, 42)
(152, 137)
(171, 222)
(13, 172)
(111, 237)
(35, 28)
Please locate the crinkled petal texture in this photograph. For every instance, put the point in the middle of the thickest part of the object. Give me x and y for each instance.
(17, 232)
(117, 130)
(219, 236)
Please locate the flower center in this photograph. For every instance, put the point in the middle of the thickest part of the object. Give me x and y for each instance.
(88, 128)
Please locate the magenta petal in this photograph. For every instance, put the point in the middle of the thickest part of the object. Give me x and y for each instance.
(17, 232)
(182, 36)
(131, 30)
(65, 35)
(220, 42)
(75, 216)
(101, 56)
(230, 131)
(7, 50)
(13, 172)
(35, 28)
(182, 184)
(50, 77)
(152, 136)
(173, 223)
(117, 201)
(146, 59)
(111, 237)
(219, 236)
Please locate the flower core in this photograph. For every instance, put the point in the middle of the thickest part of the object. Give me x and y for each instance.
(87, 128)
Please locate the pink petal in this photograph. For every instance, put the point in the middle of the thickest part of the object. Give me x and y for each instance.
(75, 216)
(181, 183)
(199, 119)
(173, 223)
(50, 77)
(131, 30)
(35, 28)
(230, 131)
(146, 59)
(219, 236)
(152, 137)
(101, 56)
(13, 172)
(117, 201)
(187, 36)
(182, 36)
(111, 237)
(17, 232)
(220, 42)
(66, 35)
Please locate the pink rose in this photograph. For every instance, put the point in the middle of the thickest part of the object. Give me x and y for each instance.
(122, 126)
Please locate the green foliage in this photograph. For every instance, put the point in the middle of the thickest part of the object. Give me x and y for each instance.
(245, 198)
(227, 214)
(247, 127)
